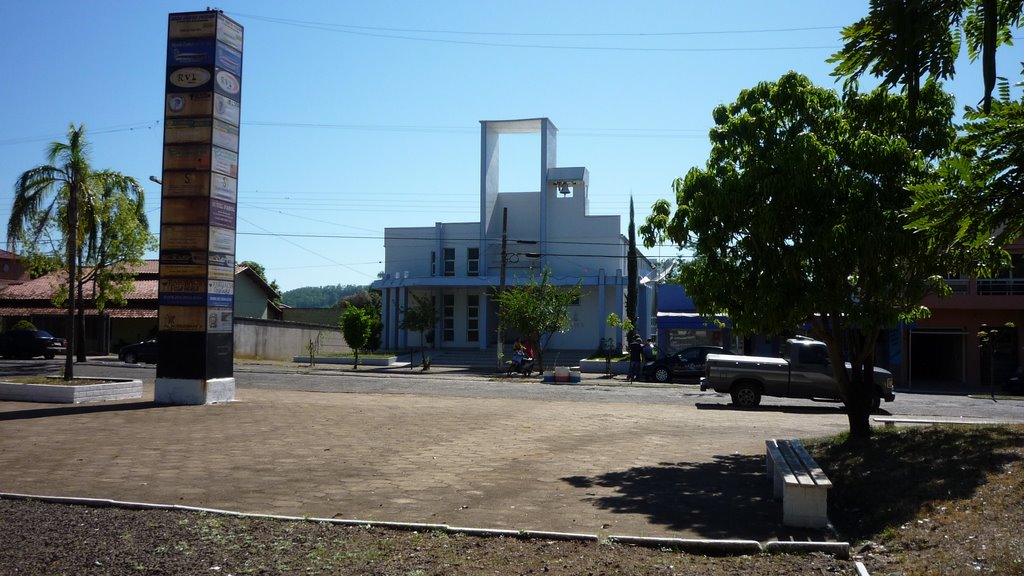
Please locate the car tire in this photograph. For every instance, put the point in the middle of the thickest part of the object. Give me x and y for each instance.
(746, 395)
(662, 375)
(129, 358)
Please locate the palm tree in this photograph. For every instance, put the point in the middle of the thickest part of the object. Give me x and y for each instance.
(50, 195)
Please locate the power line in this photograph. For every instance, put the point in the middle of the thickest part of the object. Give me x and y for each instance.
(400, 34)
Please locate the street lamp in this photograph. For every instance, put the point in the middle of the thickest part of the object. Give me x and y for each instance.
(157, 180)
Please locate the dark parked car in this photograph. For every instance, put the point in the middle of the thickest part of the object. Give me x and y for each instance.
(687, 364)
(139, 352)
(23, 343)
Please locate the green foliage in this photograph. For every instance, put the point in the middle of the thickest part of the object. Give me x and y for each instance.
(369, 301)
(800, 215)
(92, 221)
(977, 206)
(356, 325)
(905, 42)
(537, 309)
(319, 296)
(624, 324)
(23, 325)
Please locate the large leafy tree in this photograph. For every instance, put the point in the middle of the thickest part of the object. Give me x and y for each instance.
(906, 41)
(798, 218)
(537, 310)
(68, 194)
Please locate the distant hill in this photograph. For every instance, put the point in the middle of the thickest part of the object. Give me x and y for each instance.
(319, 296)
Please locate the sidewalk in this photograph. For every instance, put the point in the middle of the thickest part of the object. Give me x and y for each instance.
(583, 467)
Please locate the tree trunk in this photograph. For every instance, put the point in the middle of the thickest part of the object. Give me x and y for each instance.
(72, 242)
(80, 355)
(858, 406)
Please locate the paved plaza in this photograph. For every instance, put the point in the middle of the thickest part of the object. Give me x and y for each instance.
(603, 468)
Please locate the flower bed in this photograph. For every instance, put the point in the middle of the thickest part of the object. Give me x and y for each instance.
(79, 390)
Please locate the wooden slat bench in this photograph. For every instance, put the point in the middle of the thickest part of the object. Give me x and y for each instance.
(799, 482)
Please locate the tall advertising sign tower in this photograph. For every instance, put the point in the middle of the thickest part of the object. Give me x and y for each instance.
(202, 108)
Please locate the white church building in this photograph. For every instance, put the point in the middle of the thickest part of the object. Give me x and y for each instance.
(459, 264)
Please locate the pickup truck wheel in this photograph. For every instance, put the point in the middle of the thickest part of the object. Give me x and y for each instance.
(746, 395)
(662, 375)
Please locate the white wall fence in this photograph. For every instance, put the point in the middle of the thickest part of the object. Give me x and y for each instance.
(277, 340)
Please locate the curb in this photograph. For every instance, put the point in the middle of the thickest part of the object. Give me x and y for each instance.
(689, 545)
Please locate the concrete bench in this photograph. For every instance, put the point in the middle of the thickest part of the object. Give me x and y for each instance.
(799, 482)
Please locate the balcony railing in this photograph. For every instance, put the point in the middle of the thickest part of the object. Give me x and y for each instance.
(1000, 286)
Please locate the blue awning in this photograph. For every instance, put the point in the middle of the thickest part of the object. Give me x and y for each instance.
(689, 320)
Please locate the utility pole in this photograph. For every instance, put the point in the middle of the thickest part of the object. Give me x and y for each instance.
(501, 281)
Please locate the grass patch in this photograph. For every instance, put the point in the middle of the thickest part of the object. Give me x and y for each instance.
(899, 476)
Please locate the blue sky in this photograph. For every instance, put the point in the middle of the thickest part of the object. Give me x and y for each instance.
(358, 116)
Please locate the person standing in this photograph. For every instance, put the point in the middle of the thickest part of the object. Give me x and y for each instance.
(649, 351)
(636, 351)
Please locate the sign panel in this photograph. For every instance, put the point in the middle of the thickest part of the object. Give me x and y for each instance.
(219, 320)
(192, 25)
(190, 79)
(222, 267)
(183, 291)
(183, 237)
(189, 104)
(222, 214)
(226, 109)
(189, 130)
(227, 84)
(192, 52)
(182, 319)
(188, 157)
(225, 162)
(230, 33)
(182, 264)
(185, 210)
(222, 240)
(187, 183)
(221, 293)
(229, 59)
(225, 135)
(224, 188)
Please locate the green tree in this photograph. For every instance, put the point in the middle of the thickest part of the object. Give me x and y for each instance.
(111, 254)
(369, 301)
(799, 217)
(420, 316)
(536, 310)
(356, 324)
(67, 195)
(905, 41)
(977, 206)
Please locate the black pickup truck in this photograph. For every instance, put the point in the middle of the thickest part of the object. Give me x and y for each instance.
(803, 371)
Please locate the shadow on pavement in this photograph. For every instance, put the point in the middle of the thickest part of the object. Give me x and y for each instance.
(729, 497)
(830, 409)
(76, 409)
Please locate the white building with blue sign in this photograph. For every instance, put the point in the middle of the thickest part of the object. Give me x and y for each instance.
(458, 264)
